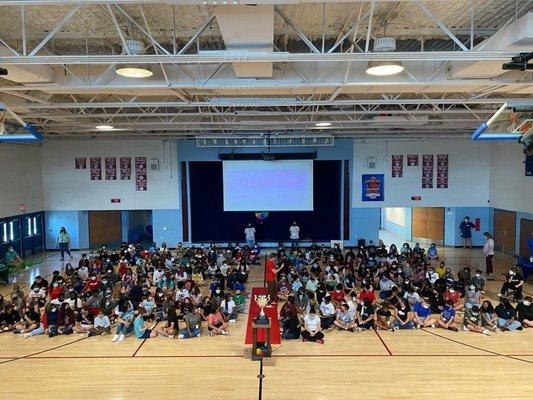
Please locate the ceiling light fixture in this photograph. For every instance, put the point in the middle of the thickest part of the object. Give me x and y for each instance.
(103, 128)
(134, 71)
(322, 124)
(384, 68)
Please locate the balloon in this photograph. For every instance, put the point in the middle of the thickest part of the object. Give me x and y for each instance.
(261, 216)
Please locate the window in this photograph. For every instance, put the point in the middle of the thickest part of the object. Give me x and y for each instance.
(30, 227)
(4, 232)
(35, 226)
(11, 232)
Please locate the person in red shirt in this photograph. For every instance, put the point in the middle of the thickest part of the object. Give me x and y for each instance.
(367, 293)
(337, 296)
(453, 296)
(92, 284)
(55, 290)
(270, 277)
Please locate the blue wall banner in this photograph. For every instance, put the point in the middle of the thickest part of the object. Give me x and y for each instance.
(373, 187)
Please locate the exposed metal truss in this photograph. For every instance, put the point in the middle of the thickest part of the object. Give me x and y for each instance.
(70, 49)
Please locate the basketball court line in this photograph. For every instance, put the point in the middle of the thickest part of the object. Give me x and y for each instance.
(382, 341)
(476, 348)
(43, 351)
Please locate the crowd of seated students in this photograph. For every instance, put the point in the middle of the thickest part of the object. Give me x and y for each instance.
(376, 287)
(133, 290)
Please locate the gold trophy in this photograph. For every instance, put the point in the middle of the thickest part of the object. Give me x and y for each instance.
(262, 301)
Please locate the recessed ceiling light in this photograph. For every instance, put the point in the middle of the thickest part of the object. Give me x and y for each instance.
(384, 68)
(322, 124)
(103, 127)
(137, 71)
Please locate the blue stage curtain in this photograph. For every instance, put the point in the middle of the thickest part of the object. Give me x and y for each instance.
(209, 221)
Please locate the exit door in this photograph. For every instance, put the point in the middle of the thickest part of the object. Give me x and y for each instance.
(427, 225)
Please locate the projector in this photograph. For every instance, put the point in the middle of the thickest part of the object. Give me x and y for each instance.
(3, 71)
(519, 63)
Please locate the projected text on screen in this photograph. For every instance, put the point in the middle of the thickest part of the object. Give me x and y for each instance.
(268, 185)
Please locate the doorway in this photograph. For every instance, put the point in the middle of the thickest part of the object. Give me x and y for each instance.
(505, 231)
(104, 228)
(526, 229)
(427, 225)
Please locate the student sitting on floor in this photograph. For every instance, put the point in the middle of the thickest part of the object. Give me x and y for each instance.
(524, 311)
(216, 325)
(507, 320)
(383, 318)
(404, 316)
(312, 328)
(193, 323)
(141, 332)
(447, 317)
(344, 320)
(432, 252)
(423, 317)
(101, 325)
(489, 318)
(327, 312)
(472, 321)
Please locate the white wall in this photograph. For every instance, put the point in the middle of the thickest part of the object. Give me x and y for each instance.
(468, 181)
(510, 188)
(20, 179)
(66, 188)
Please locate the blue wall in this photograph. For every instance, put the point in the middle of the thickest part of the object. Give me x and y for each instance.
(167, 226)
(364, 224)
(453, 217)
(76, 224)
(402, 231)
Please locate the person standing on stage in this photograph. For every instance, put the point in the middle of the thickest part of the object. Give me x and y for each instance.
(249, 232)
(294, 230)
(488, 250)
(270, 277)
(466, 232)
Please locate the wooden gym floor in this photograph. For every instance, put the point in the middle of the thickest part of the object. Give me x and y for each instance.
(384, 365)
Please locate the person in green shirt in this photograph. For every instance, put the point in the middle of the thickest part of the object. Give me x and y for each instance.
(472, 321)
(240, 301)
(12, 259)
(63, 242)
(147, 333)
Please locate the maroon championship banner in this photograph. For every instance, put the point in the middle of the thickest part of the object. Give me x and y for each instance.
(110, 168)
(80, 163)
(125, 168)
(140, 174)
(442, 171)
(412, 160)
(397, 165)
(96, 168)
(427, 171)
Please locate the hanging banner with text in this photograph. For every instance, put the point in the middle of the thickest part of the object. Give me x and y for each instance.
(442, 171)
(412, 160)
(397, 165)
(125, 168)
(141, 175)
(96, 168)
(427, 171)
(373, 187)
(110, 168)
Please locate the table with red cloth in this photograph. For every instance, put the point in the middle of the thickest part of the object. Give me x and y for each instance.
(271, 311)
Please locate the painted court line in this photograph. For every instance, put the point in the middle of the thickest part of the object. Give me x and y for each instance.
(477, 348)
(43, 351)
(383, 342)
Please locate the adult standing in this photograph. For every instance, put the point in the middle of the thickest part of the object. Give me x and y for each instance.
(294, 231)
(270, 276)
(488, 250)
(63, 242)
(249, 232)
(466, 232)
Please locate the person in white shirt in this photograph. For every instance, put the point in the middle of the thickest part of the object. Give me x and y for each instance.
(101, 325)
(312, 327)
(488, 250)
(228, 308)
(249, 232)
(294, 231)
(327, 311)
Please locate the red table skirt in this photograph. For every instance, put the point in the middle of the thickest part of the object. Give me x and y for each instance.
(271, 311)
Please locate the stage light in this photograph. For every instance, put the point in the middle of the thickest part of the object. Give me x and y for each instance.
(384, 68)
(103, 128)
(137, 71)
(322, 124)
